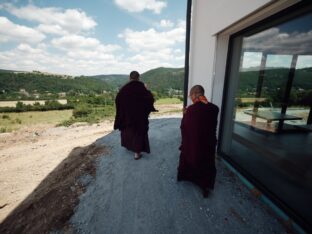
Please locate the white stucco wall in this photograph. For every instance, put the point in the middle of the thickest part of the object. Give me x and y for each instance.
(213, 21)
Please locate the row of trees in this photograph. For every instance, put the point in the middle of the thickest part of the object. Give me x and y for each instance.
(48, 105)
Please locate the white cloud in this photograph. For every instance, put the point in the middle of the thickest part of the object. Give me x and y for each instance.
(80, 47)
(304, 61)
(162, 58)
(100, 59)
(51, 29)
(166, 24)
(101, 52)
(14, 32)
(161, 55)
(141, 5)
(177, 51)
(54, 20)
(275, 42)
(76, 55)
(153, 40)
(67, 51)
(280, 47)
(25, 48)
(251, 59)
(75, 41)
(145, 40)
(73, 62)
(278, 60)
(24, 57)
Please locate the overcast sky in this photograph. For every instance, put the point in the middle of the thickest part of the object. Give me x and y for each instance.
(79, 37)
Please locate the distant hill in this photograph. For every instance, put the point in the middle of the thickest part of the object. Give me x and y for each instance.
(6, 71)
(159, 80)
(114, 80)
(32, 83)
(163, 79)
(276, 78)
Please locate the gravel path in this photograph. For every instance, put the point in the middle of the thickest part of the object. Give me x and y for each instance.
(129, 196)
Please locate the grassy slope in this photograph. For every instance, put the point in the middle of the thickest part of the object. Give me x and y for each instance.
(18, 120)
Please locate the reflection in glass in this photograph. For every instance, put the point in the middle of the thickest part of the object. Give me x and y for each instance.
(274, 92)
(270, 80)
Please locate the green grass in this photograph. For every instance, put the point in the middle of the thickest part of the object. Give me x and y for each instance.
(14, 121)
(95, 115)
(163, 101)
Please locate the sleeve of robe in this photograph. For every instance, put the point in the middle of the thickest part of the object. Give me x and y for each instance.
(118, 120)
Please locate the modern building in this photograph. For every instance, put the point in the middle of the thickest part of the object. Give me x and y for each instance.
(254, 59)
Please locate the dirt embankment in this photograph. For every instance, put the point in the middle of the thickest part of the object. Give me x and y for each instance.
(40, 167)
(52, 203)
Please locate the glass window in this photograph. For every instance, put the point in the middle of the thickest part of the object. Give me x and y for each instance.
(267, 119)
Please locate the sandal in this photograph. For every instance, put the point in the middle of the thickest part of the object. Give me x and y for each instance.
(137, 156)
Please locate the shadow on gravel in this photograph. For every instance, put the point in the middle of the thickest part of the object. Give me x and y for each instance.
(52, 203)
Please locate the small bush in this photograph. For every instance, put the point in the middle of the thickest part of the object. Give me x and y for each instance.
(18, 121)
(5, 117)
(3, 130)
(67, 123)
(81, 111)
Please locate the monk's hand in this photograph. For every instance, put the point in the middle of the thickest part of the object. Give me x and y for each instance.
(184, 110)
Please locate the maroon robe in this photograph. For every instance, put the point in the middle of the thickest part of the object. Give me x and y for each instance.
(133, 106)
(198, 147)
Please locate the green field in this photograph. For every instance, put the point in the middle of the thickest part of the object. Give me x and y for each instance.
(163, 101)
(14, 121)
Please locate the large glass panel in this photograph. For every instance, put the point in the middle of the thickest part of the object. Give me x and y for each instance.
(268, 111)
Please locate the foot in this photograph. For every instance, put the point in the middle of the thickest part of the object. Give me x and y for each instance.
(137, 156)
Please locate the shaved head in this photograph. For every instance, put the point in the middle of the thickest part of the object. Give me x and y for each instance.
(134, 75)
(197, 90)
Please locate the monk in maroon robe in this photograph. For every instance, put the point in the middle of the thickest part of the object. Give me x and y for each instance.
(134, 103)
(198, 147)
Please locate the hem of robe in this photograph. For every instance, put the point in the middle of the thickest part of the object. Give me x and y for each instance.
(135, 142)
(203, 180)
(196, 182)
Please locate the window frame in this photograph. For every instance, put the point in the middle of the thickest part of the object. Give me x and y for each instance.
(283, 16)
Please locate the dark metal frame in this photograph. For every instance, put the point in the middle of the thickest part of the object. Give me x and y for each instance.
(187, 50)
(283, 16)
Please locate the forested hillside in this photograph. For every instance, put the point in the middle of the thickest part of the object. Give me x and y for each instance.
(276, 78)
(114, 80)
(274, 84)
(32, 84)
(164, 80)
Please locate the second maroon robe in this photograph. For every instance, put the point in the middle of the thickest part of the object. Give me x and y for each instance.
(198, 147)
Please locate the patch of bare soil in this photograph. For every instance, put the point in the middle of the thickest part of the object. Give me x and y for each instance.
(167, 109)
(30, 154)
(51, 204)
